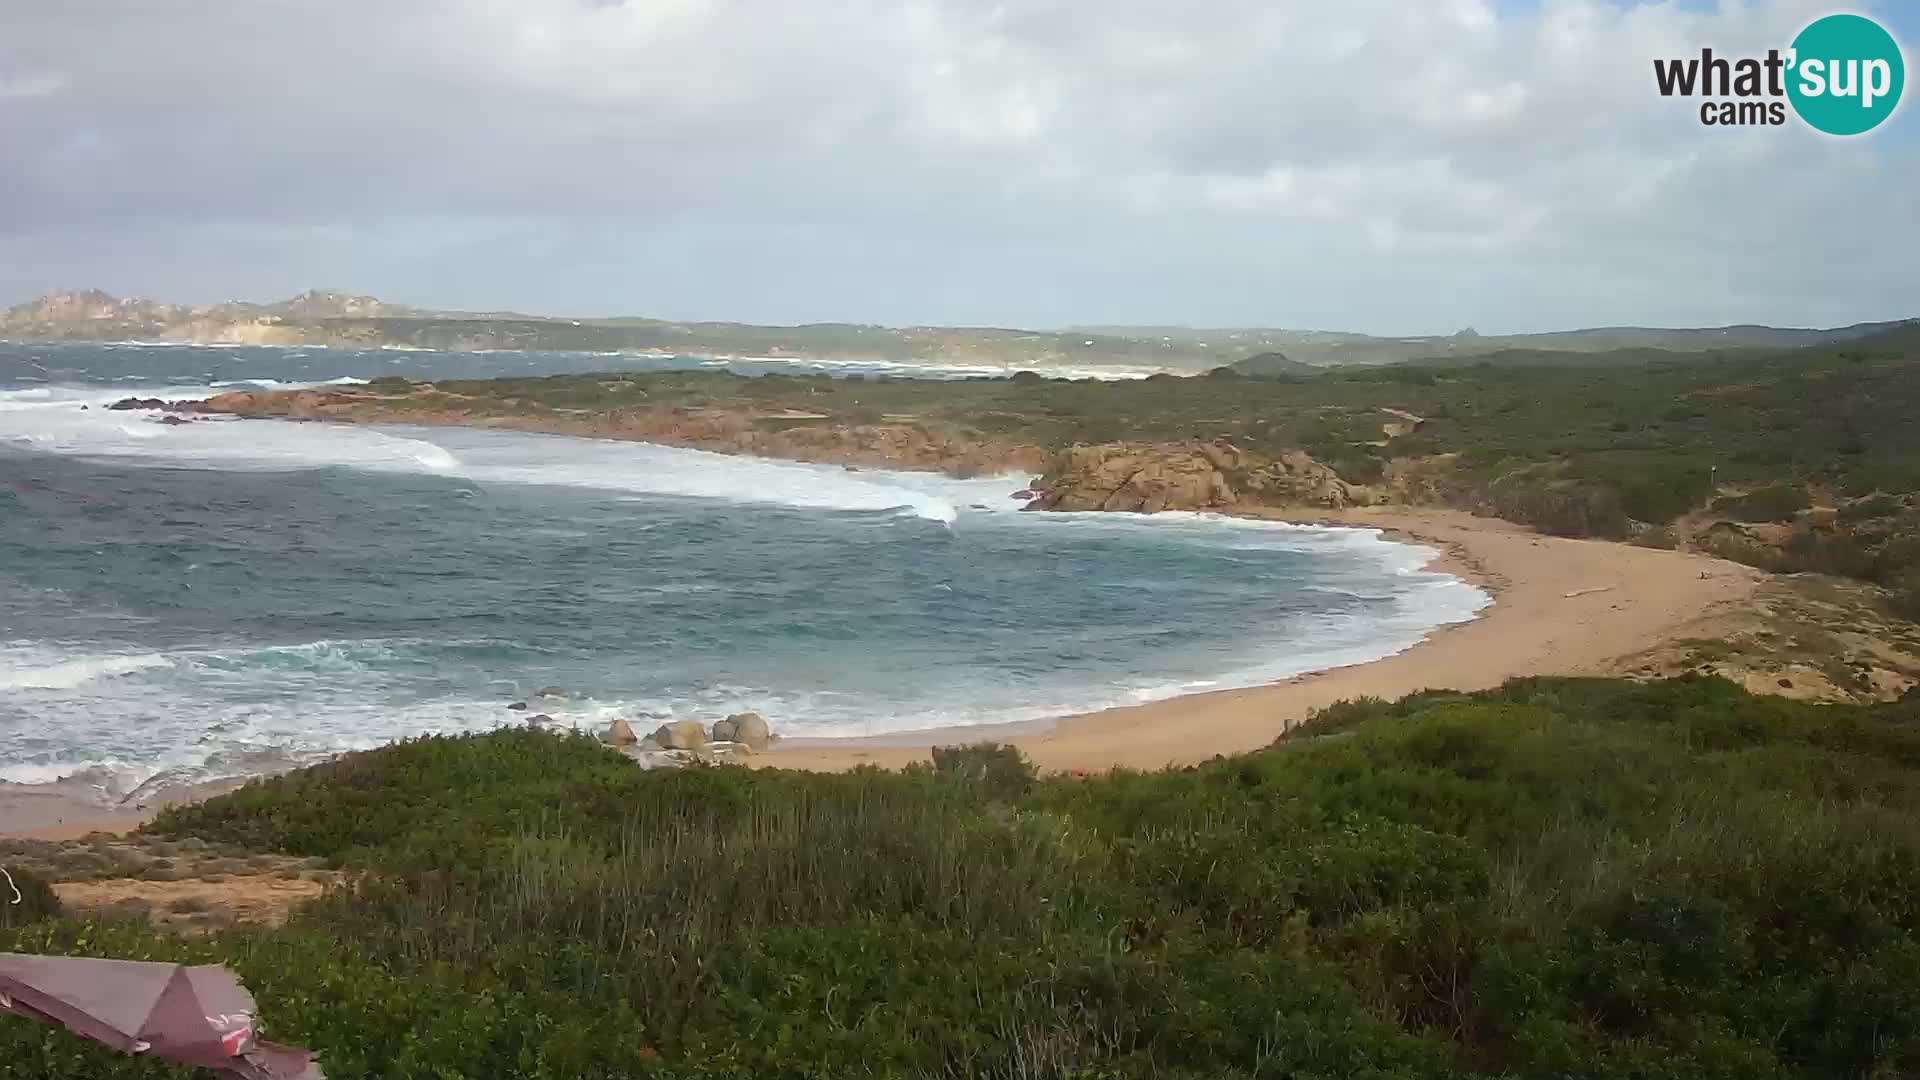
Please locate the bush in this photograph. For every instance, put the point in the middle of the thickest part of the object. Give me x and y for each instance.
(1661, 538)
(1874, 506)
(36, 898)
(1904, 597)
(991, 768)
(1779, 502)
(1586, 877)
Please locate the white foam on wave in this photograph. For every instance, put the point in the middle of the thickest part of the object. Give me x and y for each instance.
(646, 469)
(275, 384)
(210, 738)
(206, 714)
(49, 419)
(936, 368)
(35, 670)
(318, 705)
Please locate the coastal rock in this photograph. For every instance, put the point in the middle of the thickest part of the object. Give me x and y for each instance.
(723, 731)
(518, 706)
(550, 691)
(901, 442)
(131, 404)
(172, 421)
(682, 735)
(1150, 477)
(750, 730)
(539, 718)
(619, 733)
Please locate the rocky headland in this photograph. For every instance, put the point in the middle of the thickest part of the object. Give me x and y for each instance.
(1145, 477)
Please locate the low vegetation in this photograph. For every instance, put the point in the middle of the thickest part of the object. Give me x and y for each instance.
(1625, 445)
(1582, 878)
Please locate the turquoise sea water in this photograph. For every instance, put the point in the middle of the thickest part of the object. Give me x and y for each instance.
(236, 596)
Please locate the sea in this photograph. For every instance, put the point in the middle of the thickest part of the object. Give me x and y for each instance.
(180, 604)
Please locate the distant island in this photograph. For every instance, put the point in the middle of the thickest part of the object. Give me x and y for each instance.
(345, 320)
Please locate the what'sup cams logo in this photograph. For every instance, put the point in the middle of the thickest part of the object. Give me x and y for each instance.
(1842, 75)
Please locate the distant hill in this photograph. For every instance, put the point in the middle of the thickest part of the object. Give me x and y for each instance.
(323, 317)
(1272, 363)
(1326, 348)
(344, 319)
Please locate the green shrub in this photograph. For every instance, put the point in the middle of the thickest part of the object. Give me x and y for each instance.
(1662, 539)
(1904, 597)
(1583, 877)
(992, 768)
(1874, 506)
(1778, 502)
(36, 899)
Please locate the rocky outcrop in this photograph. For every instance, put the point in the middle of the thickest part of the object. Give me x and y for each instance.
(750, 730)
(1151, 477)
(619, 733)
(895, 445)
(1137, 477)
(682, 735)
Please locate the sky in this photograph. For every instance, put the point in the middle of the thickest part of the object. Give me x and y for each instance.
(1385, 166)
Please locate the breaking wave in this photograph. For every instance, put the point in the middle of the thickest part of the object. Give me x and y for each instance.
(189, 618)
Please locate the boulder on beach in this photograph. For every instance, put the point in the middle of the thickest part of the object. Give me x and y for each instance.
(619, 733)
(723, 731)
(750, 730)
(682, 735)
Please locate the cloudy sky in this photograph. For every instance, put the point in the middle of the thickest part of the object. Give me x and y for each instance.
(1393, 166)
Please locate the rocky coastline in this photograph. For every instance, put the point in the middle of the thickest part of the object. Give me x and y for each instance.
(1140, 477)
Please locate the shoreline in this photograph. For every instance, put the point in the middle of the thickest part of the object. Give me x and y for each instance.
(63, 810)
(1559, 607)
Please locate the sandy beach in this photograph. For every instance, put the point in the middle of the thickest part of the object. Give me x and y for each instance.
(67, 812)
(1561, 607)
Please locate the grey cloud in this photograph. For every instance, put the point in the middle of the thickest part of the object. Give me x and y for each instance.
(1375, 165)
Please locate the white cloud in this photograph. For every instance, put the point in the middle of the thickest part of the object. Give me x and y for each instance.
(1384, 165)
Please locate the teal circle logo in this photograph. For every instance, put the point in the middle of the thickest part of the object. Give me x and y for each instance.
(1845, 75)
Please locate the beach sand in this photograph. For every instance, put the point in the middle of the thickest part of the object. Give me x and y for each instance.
(69, 811)
(1561, 607)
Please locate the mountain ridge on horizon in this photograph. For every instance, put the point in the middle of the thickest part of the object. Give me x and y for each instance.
(342, 318)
